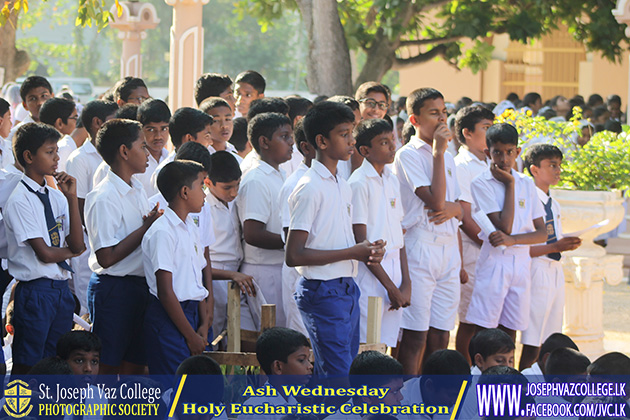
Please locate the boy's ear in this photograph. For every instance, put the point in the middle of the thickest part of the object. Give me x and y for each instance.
(276, 367)
(364, 151)
(413, 120)
(123, 151)
(187, 137)
(207, 182)
(58, 124)
(467, 134)
(487, 152)
(10, 329)
(533, 169)
(478, 359)
(518, 151)
(96, 123)
(263, 143)
(28, 156)
(320, 140)
(120, 103)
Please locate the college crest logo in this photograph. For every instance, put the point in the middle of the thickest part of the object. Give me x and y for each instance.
(18, 399)
(521, 203)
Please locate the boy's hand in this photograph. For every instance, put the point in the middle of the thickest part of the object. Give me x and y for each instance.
(567, 244)
(66, 184)
(152, 216)
(405, 290)
(245, 282)
(441, 137)
(396, 299)
(463, 276)
(500, 238)
(450, 210)
(196, 344)
(204, 328)
(505, 177)
(370, 252)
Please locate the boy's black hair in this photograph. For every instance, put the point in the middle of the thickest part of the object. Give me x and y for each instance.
(32, 136)
(366, 130)
(278, 343)
(368, 87)
(263, 105)
(113, 134)
(408, 132)
(531, 98)
(556, 341)
(565, 361)
(323, 118)
(126, 86)
(594, 100)
(5, 107)
(598, 111)
(488, 342)
(253, 78)
(508, 376)
(127, 112)
(224, 167)
(374, 369)
(446, 362)
(78, 340)
(548, 114)
(195, 152)
(298, 135)
(468, 117)
(187, 120)
(99, 109)
(32, 82)
(176, 175)
(205, 381)
(513, 97)
(613, 363)
(298, 106)
(372, 362)
(153, 111)
(239, 133)
(320, 98)
(503, 133)
(613, 99)
(539, 152)
(213, 102)
(416, 99)
(346, 100)
(52, 365)
(198, 365)
(612, 125)
(211, 84)
(265, 125)
(53, 109)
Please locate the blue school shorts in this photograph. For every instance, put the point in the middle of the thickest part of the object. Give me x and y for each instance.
(166, 346)
(42, 314)
(117, 306)
(330, 310)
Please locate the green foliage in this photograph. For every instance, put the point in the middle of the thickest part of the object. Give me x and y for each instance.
(602, 164)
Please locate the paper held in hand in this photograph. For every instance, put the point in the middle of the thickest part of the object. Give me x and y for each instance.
(582, 232)
(486, 226)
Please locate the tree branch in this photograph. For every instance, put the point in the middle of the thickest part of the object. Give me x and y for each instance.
(420, 58)
(429, 41)
(435, 4)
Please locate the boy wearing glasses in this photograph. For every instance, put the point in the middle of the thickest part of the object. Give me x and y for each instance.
(373, 99)
(131, 90)
(62, 114)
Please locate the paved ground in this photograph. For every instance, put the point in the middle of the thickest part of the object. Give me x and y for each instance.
(617, 318)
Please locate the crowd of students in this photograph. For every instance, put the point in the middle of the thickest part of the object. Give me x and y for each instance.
(311, 207)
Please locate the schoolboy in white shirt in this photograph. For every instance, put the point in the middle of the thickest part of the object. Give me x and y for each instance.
(154, 115)
(62, 114)
(429, 189)
(502, 291)
(179, 315)
(271, 135)
(321, 244)
(544, 162)
(377, 213)
(471, 123)
(40, 221)
(117, 215)
(290, 275)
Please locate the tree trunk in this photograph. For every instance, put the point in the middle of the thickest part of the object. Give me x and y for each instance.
(380, 58)
(15, 62)
(328, 65)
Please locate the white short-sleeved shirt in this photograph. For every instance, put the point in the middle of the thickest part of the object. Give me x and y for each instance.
(113, 210)
(168, 159)
(227, 246)
(321, 205)
(287, 189)
(145, 178)
(557, 216)
(292, 164)
(6, 153)
(249, 160)
(65, 146)
(229, 147)
(489, 195)
(82, 164)
(258, 199)
(173, 245)
(100, 174)
(376, 203)
(413, 166)
(203, 219)
(468, 167)
(24, 219)
(8, 182)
